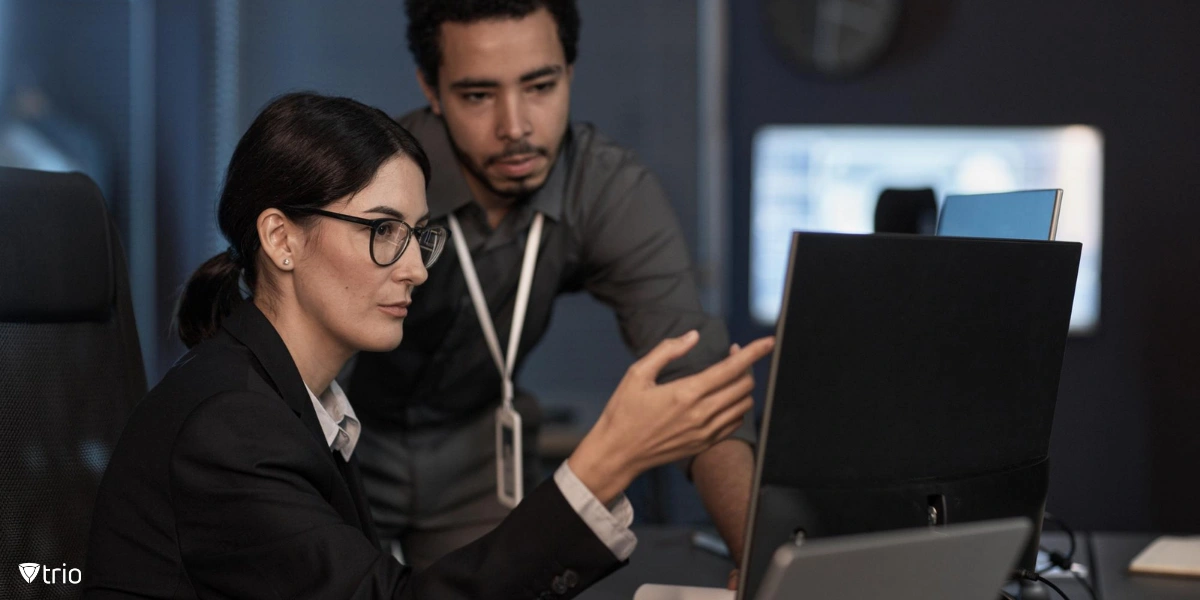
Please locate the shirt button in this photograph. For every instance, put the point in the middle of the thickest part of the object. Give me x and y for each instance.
(571, 578)
(559, 586)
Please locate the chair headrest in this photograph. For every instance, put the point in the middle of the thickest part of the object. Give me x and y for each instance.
(56, 248)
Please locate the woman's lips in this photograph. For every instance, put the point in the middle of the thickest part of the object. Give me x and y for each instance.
(396, 310)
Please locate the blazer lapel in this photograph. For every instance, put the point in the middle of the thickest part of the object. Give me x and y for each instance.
(249, 326)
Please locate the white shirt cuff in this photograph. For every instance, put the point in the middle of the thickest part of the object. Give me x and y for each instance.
(610, 524)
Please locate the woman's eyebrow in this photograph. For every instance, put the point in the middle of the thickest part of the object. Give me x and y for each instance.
(391, 212)
(387, 210)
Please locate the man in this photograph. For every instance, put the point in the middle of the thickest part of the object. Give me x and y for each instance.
(497, 75)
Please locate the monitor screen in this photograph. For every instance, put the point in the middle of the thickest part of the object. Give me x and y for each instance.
(829, 178)
(1024, 215)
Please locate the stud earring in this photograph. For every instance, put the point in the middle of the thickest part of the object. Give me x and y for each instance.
(287, 261)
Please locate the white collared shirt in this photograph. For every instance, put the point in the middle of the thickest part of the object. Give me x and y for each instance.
(338, 421)
(610, 523)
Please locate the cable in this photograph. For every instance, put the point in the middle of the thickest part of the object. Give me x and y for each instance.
(1084, 582)
(1058, 559)
(1066, 562)
(1051, 585)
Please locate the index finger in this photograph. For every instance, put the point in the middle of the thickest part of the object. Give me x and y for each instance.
(734, 365)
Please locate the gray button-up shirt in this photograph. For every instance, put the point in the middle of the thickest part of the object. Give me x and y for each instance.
(609, 230)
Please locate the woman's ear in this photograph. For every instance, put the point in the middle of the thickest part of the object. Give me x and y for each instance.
(276, 234)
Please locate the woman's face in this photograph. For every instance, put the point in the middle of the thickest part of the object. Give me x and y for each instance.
(357, 302)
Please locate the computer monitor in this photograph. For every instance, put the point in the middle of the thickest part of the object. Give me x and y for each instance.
(913, 383)
(1025, 215)
(833, 178)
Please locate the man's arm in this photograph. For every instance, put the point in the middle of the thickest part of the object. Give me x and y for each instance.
(639, 265)
(723, 476)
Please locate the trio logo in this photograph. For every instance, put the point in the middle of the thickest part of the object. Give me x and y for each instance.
(29, 572)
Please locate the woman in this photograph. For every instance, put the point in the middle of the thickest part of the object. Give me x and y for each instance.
(236, 477)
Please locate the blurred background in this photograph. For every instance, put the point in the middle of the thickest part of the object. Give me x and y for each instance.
(759, 116)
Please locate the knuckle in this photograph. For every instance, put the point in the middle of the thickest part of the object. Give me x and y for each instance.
(684, 394)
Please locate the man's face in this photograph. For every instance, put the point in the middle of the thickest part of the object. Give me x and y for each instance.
(504, 91)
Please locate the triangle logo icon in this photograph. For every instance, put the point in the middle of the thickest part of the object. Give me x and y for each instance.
(29, 571)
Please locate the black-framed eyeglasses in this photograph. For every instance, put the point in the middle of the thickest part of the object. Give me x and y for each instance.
(390, 237)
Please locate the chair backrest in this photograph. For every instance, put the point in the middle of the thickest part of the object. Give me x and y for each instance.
(70, 370)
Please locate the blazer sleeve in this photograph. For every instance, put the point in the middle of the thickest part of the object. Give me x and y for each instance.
(249, 485)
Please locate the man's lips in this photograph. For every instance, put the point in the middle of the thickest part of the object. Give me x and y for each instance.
(517, 166)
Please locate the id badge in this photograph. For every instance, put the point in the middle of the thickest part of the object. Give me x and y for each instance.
(509, 476)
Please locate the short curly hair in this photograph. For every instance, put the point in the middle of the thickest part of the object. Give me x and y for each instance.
(425, 18)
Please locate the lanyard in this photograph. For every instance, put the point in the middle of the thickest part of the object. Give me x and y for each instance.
(504, 364)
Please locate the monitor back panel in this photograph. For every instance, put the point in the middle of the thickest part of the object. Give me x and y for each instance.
(906, 360)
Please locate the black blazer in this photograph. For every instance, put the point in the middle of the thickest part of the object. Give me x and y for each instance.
(222, 485)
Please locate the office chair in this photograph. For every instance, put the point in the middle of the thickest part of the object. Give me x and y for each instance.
(906, 211)
(70, 370)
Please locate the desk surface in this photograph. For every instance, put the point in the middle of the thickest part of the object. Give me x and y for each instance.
(665, 555)
(1113, 551)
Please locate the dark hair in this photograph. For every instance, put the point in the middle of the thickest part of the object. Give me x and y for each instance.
(425, 18)
(303, 151)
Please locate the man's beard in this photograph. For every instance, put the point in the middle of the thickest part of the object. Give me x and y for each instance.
(522, 189)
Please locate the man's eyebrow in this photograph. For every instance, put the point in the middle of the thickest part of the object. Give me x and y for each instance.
(542, 72)
(469, 82)
(474, 83)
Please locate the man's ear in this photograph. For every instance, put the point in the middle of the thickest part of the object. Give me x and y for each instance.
(274, 235)
(430, 93)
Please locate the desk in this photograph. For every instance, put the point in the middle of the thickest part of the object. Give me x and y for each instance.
(665, 554)
(1113, 551)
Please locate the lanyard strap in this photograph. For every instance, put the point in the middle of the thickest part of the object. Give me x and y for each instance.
(504, 364)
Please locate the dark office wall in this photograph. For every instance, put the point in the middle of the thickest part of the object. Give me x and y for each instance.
(1126, 443)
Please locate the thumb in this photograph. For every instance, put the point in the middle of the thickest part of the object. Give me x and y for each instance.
(666, 351)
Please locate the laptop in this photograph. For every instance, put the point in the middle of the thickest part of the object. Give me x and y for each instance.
(1024, 215)
(964, 562)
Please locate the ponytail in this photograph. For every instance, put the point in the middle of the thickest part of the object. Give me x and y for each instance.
(210, 295)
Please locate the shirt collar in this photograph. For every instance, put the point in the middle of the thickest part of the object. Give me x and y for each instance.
(448, 190)
(338, 421)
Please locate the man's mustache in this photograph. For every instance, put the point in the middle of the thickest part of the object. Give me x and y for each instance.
(518, 149)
